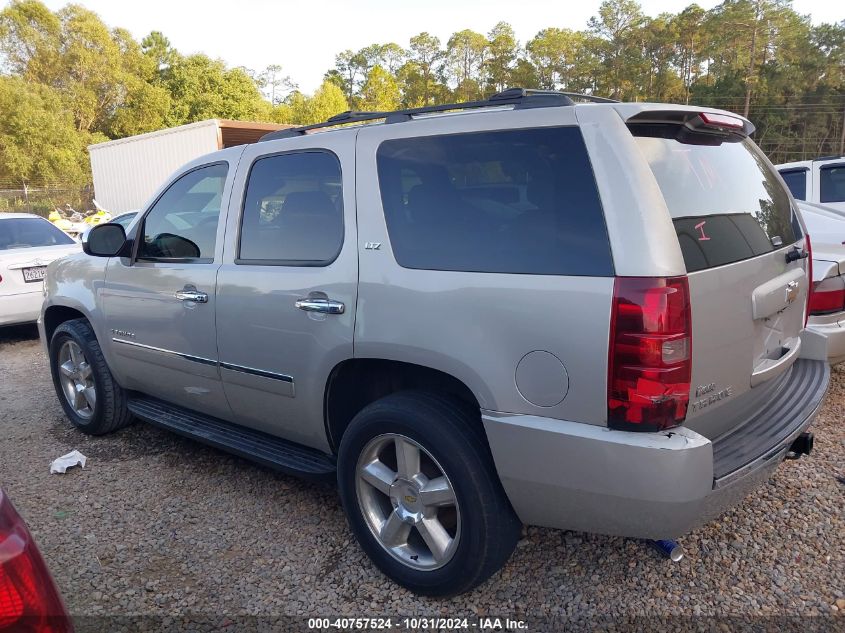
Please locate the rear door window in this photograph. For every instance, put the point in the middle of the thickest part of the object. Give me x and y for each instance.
(796, 180)
(510, 201)
(293, 210)
(832, 183)
(726, 202)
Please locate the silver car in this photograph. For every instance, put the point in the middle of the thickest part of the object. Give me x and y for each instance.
(531, 309)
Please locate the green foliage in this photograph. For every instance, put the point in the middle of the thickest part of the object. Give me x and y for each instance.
(67, 79)
(203, 88)
(38, 139)
(301, 109)
(380, 91)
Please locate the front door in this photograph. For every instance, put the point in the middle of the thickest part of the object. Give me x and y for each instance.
(287, 288)
(159, 304)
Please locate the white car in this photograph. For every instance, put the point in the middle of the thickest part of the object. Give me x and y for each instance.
(827, 304)
(27, 244)
(825, 224)
(821, 180)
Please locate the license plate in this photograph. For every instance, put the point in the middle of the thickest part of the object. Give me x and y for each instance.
(36, 273)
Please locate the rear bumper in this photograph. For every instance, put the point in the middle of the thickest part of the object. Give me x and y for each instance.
(832, 329)
(24, 307)
(648, 485)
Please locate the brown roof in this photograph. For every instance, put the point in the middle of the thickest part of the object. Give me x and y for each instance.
(233, 133)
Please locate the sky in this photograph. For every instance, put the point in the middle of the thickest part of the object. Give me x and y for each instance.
(304, 37)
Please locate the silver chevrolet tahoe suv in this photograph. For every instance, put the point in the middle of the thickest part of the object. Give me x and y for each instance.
(527, 310)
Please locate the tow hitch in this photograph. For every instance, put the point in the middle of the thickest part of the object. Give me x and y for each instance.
(802, 445)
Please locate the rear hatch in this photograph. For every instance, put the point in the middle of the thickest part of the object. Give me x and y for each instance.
(743, 247)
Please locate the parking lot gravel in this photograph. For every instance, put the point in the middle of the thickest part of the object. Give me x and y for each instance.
(156, 525)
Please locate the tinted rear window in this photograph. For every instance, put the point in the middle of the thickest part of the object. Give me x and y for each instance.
(832, 184)
(30, 233)
(726, 202)
(293, 212)
(796, 180)
(512, 201)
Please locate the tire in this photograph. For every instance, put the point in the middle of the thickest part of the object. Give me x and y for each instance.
(482, 526)
(108, 412)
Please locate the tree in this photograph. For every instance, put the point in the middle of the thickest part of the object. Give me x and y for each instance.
(392, 57)
(275, 85)
(158, 48)
(351, 68)
(30, 36)
(301, 109)
(203, 88)
(553, 52)
(426, 56)
(689, 28)
(503, 51)
(659, 39)
(380, 92)
(465, 54)
(617, 25)
(39, 142)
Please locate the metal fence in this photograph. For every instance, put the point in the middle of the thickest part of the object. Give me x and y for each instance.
(42, 199)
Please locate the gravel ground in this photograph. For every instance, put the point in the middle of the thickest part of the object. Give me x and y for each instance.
(160, 526)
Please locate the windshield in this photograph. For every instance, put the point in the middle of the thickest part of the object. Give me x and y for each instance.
(726, 202)
(30, 233)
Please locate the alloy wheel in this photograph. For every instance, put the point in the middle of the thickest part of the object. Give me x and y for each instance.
(77, 379)
(408, 502)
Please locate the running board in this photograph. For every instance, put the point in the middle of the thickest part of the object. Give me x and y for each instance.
(262, 448)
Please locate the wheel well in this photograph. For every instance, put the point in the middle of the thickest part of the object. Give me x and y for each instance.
(355, 383)
(54, 316)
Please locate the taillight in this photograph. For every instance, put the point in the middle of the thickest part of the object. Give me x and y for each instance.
(650, 355)
(827, 296)
(29, 600)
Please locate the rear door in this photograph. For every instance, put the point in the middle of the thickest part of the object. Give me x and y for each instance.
(288, 286)
(742, 244)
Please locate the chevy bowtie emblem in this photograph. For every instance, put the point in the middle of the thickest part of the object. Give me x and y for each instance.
(410, 499)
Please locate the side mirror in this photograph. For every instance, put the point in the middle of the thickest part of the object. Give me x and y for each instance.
(104, 240)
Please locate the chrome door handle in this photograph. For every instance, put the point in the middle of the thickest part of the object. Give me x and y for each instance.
(326, 306)
(192, 294)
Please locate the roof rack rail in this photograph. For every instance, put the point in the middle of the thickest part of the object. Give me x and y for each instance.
(517, 97)
(591, 98)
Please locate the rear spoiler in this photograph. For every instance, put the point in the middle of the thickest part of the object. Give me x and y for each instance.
(700, 120)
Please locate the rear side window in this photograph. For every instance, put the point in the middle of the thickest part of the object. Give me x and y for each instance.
(726, 202)
(293, 210)
(832, 184)
(513, 201)
(796, 180)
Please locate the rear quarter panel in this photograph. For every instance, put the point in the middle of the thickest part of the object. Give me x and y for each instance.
(477, 326)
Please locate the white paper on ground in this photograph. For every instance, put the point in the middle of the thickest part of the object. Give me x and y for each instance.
(61, 464)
